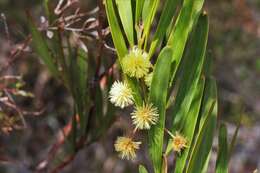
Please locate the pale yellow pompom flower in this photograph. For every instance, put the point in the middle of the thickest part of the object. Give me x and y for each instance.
(120, 94)
(145, 116)
(179, 142)
(136, 63)
(126, 147)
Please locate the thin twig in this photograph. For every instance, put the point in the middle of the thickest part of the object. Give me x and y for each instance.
(16, 53)
(13, 105)
(60, 9)
(3, 17)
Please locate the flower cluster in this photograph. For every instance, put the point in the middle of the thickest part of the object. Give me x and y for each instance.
(143, 118)
(120, 94)
(179, 142)
(136, 63)
(126, 147)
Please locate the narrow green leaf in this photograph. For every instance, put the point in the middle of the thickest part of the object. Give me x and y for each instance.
(157, 97)
(149, 11)
(115, 30)
(233, 141)
(206, 164)
(222, 159)
(126, 15)
(189, 124)
(194, 60)
(210, 97)
(138, 10)
(48, 11)
(78, 73)
(82, 64)
(165, 19)
(207, 124)
(46, 8)
(188, 16)
(142, 169)
(41, 48)
(208, 65)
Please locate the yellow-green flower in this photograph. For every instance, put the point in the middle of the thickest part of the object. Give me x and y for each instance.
(179, 142)
(120, 94)
(145, 116)
(126, 148)
(136, 63)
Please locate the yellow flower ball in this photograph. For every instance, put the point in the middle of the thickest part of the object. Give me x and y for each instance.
(145, 116)
(120, 94)
(179, 142)
(136, 63)
(126, 148)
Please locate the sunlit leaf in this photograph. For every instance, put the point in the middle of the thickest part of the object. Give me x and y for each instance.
(188, 16)
(149, 11)
(165, 20)
(207, 124)
(142, 169)
(157, 97)
(194, 60)
(116, 32)
(126, 16)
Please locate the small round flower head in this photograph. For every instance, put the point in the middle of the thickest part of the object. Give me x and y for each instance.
(148, 80)
(136, 63)
(179, 142)
(120, 94)
(126, 148)
(145, 116)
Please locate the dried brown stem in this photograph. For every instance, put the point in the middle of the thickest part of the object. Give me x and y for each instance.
(60, 8)
(16, 53)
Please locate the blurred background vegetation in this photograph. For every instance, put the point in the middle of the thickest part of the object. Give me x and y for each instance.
(234, 43)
